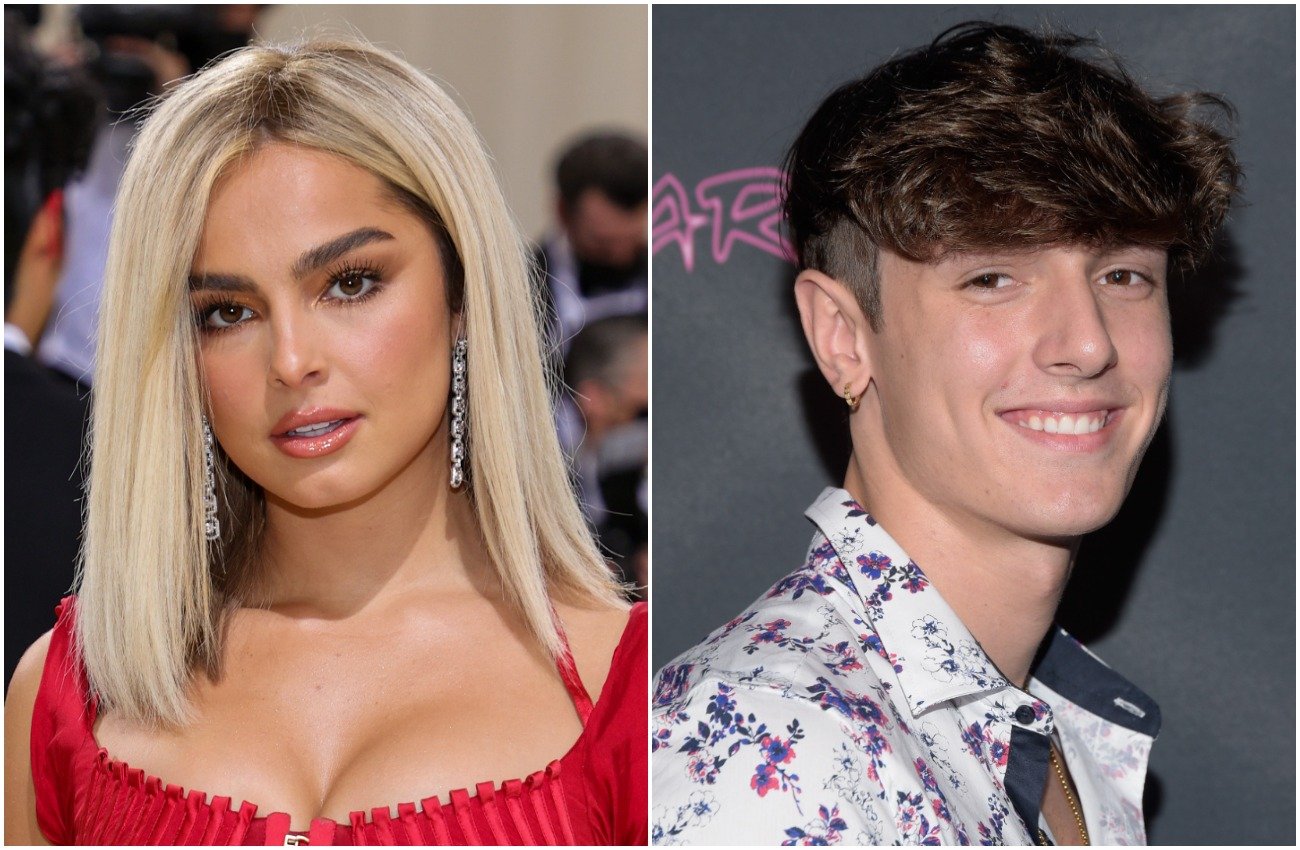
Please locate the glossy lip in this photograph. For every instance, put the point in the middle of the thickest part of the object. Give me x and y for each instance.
(1077, 443)
(309, 416)
(318, 446)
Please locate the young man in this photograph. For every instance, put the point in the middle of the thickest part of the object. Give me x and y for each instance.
(986, 228)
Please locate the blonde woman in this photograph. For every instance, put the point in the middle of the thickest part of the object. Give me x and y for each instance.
(333, 566)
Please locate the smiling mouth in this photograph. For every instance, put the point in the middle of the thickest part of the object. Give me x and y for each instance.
(1064, 424)
(317, 439)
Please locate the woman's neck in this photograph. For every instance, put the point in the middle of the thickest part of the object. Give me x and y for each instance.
(413, 532)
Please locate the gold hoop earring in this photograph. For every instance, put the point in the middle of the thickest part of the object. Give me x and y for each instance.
(852, 400)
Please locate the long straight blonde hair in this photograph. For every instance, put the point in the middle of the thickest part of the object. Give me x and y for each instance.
(153, 594)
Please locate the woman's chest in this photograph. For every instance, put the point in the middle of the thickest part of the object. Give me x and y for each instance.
(328, 729)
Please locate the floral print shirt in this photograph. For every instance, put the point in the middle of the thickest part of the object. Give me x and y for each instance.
(850, 705)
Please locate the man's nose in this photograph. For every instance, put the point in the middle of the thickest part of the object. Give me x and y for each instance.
(1074, 339)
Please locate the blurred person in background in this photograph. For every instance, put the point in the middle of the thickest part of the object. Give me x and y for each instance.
(595, 260)
(50, 115)
(596, 287)
(607, 371)
(135, 52)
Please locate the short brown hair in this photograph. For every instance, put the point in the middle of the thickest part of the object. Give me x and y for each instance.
(996, 137)
(613, 163)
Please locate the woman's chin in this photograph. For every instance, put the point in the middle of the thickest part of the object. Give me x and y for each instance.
(316, 500)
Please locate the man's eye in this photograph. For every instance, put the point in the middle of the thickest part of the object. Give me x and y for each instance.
(225, 316)
(1124, 277)
(989, 280)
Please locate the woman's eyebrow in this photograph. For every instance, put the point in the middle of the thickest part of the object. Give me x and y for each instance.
(221, 283)
(322, 255)
(307, 262)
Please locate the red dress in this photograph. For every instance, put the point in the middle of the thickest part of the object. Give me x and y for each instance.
(593, 794)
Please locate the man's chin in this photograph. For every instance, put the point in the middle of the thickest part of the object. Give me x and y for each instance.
(1066, 514)
(1069, 518)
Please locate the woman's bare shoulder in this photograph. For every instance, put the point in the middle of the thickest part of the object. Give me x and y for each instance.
(20, 789)
(27, 675)
(594, 632)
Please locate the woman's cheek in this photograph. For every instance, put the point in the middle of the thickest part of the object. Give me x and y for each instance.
(235, 386)
(402, 349)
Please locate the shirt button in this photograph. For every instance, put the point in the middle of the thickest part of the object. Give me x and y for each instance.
(1025, 715)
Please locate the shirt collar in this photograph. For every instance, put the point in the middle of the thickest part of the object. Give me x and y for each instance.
(1067, 667)
(935, 656)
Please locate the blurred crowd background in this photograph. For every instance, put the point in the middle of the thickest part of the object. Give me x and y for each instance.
(559, 95)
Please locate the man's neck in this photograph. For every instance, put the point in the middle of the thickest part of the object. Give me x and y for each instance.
(1004, 587)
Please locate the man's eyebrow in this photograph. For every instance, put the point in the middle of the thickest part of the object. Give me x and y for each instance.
(322, 255)
(984, 255)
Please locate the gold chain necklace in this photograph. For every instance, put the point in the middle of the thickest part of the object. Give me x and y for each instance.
(1069, 798)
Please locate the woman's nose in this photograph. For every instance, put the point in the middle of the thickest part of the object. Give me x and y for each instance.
(297, 355)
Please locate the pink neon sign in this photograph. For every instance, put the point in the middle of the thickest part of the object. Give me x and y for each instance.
(743, 205)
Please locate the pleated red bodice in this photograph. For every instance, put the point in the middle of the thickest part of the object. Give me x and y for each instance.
(596, 793)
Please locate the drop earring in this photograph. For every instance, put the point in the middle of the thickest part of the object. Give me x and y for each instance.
(211, 525)
(458, 414)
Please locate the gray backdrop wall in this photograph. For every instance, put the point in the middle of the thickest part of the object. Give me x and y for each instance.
(1191, 592)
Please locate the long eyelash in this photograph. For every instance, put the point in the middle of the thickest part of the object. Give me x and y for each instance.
(344, 270)
(204, 308)
(356, 268)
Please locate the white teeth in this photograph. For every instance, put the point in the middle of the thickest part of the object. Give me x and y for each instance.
(314, 430)
(1073, 424)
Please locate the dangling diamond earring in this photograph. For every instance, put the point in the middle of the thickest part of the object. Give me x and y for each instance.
(458, 414)
(211, 525)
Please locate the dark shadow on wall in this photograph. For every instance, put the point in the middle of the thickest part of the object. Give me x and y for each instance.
(1198, 301)
(1153, 799)
(1108, 558)
(826, 420)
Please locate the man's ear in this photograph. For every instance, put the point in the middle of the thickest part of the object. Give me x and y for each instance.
(837, 331)
(38, 269)
(45, 238)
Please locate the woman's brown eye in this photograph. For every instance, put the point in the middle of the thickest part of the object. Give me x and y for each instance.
(1123, 277)
(223, 316)
(352, 285)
